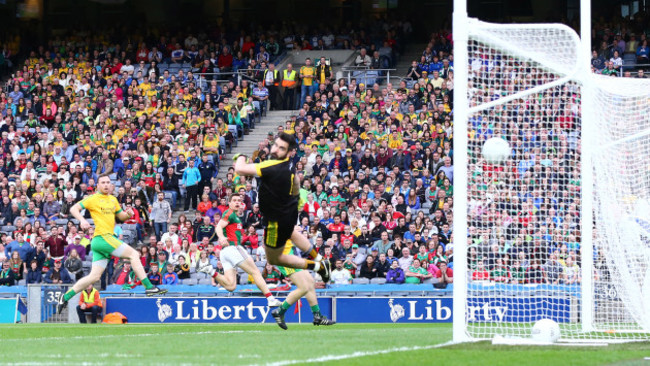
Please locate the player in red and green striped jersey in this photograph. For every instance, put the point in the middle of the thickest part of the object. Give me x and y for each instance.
(230, 231)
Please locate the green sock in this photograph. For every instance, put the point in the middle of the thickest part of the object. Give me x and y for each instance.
(69, 295)
(147, 284)
(284, 307)
(315, 309)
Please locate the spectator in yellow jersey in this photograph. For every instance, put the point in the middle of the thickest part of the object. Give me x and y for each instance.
(307, 74)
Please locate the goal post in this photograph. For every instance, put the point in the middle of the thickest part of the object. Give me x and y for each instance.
(587, 171)
(461, 112)
(525, 247)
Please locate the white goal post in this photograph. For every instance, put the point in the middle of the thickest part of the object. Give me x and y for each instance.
(525, 245)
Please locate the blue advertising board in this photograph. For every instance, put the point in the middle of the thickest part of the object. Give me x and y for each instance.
(440, 309)
(208, 309)
(347, 309)
(8, 310)
(519, 309)
(387, 310)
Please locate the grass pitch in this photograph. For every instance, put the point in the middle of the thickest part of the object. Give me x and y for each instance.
(266, 344)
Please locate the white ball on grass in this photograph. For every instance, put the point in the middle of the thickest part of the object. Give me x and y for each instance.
(546, 330)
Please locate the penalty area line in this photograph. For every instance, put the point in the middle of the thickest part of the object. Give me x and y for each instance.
(356, 355)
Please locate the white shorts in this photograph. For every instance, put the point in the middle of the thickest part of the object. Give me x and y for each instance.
(232, 256)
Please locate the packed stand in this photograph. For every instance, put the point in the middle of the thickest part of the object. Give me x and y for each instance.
(83, 106)
(374, 200)
(621, 49)
(375, 165)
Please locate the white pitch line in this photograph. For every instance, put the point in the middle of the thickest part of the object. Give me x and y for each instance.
(356, 355)
(130, 335)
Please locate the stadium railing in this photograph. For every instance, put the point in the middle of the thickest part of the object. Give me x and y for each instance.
(366, 75)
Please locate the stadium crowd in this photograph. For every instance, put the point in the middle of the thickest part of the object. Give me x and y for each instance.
(619, 50)
(375, 162)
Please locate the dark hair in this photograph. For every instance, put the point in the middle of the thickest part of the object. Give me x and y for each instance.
(289, 139)
(235, 195)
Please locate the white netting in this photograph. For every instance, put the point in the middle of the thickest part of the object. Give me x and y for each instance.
(524, 216)
(622, 190)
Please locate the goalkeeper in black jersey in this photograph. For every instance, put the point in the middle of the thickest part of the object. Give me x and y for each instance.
(278, 200)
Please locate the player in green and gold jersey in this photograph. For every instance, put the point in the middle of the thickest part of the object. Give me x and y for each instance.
(305, 287)
(104, 208)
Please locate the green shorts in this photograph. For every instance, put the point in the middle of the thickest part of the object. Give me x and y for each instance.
(287, 272)
(105, 246)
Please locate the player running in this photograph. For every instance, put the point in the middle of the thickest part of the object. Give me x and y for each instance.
(229, 230)
(305, 283)
(278, 200)
(104, 208)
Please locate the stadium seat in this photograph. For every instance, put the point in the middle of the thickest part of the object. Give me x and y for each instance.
(129, 237)
(346, 294)
(431, 280)
(192, 270)
(190, 281)
(205, 281)
(361, 281)
(378, 281)
(61, 222)
(402, 293)
(8, 228)
(243, 279)
(629, 61)
(23, 282)
(202, 275)
(130, 227)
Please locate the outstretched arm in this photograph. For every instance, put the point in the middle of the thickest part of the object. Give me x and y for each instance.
(244, 168)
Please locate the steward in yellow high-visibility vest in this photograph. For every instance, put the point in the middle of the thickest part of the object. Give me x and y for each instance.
(89, 302)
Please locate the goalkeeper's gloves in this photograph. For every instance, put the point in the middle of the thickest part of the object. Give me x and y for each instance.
(236, 156)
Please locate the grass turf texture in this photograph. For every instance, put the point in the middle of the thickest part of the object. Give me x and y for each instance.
(374, 344)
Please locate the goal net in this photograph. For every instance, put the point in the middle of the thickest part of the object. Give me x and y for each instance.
(528, 244)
